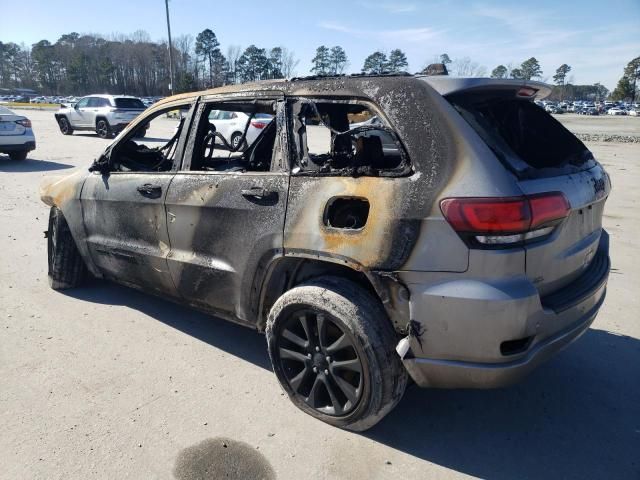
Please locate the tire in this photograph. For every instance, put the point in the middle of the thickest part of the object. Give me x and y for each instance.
(355, 325)
(65, 126)
(21, 155)
(103, 129)
(66, 267)
(235, 140)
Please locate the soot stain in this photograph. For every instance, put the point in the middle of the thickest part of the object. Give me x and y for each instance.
(222, 458)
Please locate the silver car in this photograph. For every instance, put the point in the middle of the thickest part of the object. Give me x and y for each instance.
(107, 115)
(16, 136)
(463, 254)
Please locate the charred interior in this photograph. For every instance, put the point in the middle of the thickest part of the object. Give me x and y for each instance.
(519, 128)
(345, 138)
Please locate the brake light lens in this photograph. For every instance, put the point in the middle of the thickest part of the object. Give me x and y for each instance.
(26, 123)
(258, 124)
(547, 208)
(526, 92)
(506, 220)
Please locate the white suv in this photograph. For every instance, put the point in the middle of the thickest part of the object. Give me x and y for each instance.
(105, 114)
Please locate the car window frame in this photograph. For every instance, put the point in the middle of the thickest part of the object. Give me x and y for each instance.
(377, 111)
(86, 99)
(129, 132)
(279, 160)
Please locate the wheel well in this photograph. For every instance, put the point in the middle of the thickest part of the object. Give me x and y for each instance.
(289, 272)
(58, 116)
(101, 118)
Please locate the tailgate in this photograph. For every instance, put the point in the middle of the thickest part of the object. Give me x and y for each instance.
(558, 260)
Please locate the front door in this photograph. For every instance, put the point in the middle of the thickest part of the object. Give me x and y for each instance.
(226, 217)
(77, 114)
(124, 213)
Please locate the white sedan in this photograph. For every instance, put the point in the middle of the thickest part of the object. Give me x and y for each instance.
(16, 136)
(232, 124)
(616, 111)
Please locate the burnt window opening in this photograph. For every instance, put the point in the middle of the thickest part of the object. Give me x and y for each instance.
(152, 146)
(235, 137)
(344, 138)
(523, 136)
(347, 213)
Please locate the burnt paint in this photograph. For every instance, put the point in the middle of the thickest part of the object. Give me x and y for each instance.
(398, 205)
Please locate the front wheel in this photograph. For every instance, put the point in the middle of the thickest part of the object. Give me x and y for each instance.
(332, 348)
(66, 267)
(103, 129)
(65, 126)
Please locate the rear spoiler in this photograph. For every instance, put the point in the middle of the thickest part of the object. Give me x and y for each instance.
(448, 85)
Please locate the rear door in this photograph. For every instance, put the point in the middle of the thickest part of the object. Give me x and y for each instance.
(226, 216)
(557, 261)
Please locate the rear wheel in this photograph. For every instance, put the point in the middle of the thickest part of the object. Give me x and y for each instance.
(332, 349)
(65, 126)
(66, 267)
(21, 155)
(103, 129)
(235, 142)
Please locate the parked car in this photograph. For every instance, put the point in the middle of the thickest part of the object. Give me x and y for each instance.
(616, 111)
(464, 258)
(633, 112)
(16, 135)
(107, 115)
(231, 126)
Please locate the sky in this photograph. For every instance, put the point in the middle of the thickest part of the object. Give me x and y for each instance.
(597, 39)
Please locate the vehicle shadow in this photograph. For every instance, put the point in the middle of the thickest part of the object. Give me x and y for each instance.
(30, 165)
(578, 416)
(234, 339)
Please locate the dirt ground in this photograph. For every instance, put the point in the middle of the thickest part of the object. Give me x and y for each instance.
(104, 382)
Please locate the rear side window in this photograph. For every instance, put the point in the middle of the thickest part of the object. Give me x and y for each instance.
(344, 138)
(129, 103)
(522, 133)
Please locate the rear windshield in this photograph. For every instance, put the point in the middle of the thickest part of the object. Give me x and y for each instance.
(521, 133)
(129, 103)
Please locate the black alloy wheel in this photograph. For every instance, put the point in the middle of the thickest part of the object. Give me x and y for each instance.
(318, 358)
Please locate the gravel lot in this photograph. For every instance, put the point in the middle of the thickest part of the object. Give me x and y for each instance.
(105, 382)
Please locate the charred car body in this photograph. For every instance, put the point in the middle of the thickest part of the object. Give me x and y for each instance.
(456, 239)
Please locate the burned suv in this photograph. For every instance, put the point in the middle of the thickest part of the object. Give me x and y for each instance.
(378, 228)
(107, 115)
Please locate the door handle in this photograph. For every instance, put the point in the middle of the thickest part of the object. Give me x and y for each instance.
(149, 190)
(257, 192)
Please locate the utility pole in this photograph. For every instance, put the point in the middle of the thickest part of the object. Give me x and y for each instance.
(166, 4)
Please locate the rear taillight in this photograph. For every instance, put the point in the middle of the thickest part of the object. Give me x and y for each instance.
(26, 123)
(258, 124)
(496, 221)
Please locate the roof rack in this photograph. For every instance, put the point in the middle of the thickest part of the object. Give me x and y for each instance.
(352, 75)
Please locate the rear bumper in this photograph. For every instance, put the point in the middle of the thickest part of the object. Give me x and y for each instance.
(18, 147)
(460, 341)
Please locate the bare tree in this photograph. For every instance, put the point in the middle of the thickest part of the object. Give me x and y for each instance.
(464, 67)
(234, 52)
(289, 63)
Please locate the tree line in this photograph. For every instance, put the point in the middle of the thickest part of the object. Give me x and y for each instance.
(134, 64)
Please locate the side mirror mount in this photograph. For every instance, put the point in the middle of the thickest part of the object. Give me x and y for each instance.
(102, 164)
